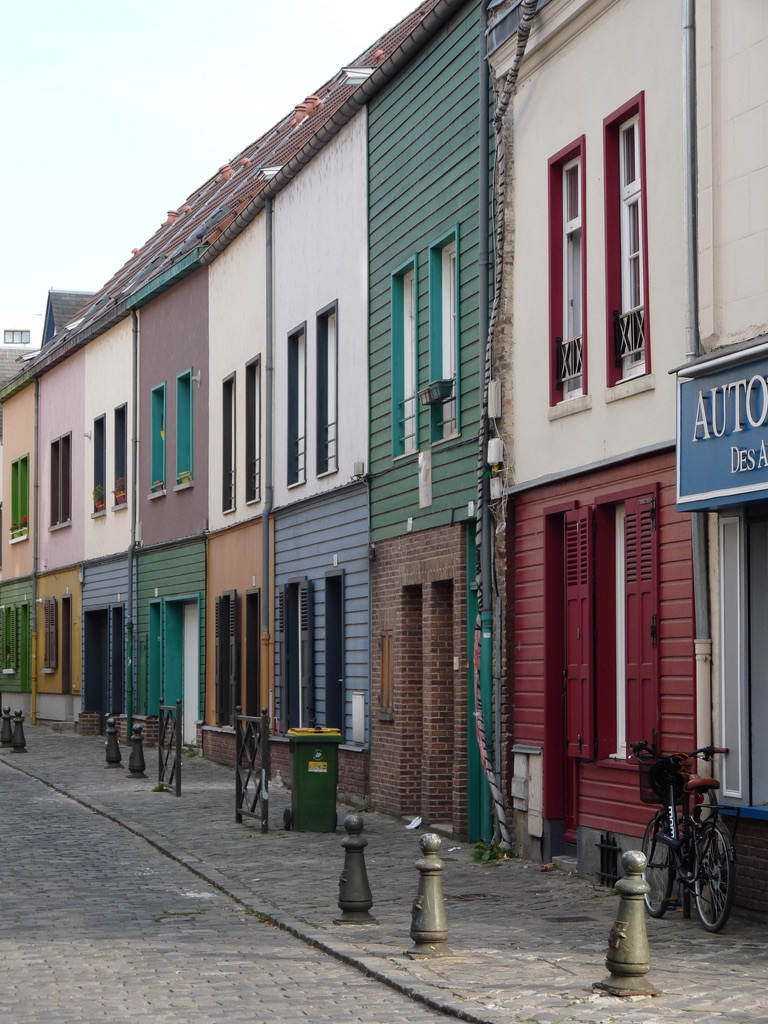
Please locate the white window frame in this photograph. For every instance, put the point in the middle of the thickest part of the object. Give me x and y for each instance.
(448, 322)
(631, 232)
(572, 271)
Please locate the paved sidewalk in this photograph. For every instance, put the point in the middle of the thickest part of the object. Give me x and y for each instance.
(527, 944)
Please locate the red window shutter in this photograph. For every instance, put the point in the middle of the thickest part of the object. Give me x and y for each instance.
(642, 600)
(579, 634)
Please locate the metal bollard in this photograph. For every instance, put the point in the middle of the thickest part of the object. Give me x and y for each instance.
(6, 733)
(429, 923)
(628, 957)
(136, 762)
(18, 743)
(114, 757)
(355, 898)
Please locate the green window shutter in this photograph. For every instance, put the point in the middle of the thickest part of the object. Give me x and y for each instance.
(184, 427)
(158, 438)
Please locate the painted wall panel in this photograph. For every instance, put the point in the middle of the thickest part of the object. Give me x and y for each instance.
(237, 325)
(62, 403)
(309, 538)
(423, 180)
(174, 339)
(108, 386)
(321, 257)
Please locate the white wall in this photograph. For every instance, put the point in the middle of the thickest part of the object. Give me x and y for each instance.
(321, 256)
(108, 384)
(585, 59)
(237, 326)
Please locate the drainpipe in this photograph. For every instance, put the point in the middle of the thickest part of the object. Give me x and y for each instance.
(487, 698)
(703, 641)
(130, 625)
(266, 511)
(35, 555)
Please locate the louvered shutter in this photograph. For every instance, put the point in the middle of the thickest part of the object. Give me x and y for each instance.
(233, 634)
(51, 637)
(281, 703)
(307, 653)
(642, 598)
(219, 666)
(579, 634)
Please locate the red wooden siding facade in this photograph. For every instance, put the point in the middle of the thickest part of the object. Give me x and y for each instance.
(564, 643)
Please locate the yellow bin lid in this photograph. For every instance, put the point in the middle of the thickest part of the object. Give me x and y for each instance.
(314, 730)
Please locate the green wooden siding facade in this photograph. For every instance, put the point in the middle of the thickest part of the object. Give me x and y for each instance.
(16, 623)
(168, 577)
(423, 180)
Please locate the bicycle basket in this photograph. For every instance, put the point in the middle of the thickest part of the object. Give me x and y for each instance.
(655, 776)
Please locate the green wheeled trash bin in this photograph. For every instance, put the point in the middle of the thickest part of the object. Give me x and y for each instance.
(315, 760)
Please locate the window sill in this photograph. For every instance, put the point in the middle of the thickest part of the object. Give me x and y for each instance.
(253, 501)
(59, 526)
(631, 386)
(184, 486)
(405, 456)
(98, 515)
(455, 436)
(569, 407)
(118, 508)
(48, 671)
(229, 511)
(385, 715)
(612, 761)
(327, 472)
(156, 494)
(18, 540)
(296, 483)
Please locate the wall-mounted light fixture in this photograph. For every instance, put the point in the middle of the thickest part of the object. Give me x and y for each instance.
(87, 434)
(198, 377)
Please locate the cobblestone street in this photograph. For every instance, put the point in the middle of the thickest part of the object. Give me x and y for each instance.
(98, 925)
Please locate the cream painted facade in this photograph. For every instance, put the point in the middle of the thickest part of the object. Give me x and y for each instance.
(321, 257)
(732, 49)
(576, 74)
(237, 335)
(108, 386)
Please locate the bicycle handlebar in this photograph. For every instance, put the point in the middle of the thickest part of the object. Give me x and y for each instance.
(706, 753)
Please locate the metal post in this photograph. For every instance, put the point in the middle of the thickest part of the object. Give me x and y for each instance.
(265, 769)
(6, 733)
(178, 747)
(114, 757)
(628, 957)
(136, 762)
(355, 900)
(18, 743)
(429, 923)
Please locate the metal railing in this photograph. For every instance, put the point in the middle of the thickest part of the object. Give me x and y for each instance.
(570, 364)
(252, 767)
(629, 337)
(170, 747)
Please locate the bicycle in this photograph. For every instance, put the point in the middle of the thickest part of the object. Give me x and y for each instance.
(685, 842)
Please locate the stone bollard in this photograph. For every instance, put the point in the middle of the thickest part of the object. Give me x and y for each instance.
(6, 733)
(114, 757)
(136, 762)
(429, 923)
(628, 957)
(355, 898)
(18, 743)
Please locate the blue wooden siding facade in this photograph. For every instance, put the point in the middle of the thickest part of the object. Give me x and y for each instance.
(323, 544)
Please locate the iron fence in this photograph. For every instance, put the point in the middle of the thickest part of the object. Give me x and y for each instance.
(252, 767)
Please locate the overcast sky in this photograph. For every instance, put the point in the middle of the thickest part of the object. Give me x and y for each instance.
(111, 113)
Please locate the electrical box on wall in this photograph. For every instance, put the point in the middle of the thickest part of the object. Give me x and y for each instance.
(495, 451)
(494, 399)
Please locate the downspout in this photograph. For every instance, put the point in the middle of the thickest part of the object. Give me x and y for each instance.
(484, 630)
(703, 640)
(35, 555)
(132, 582)
(266, 511)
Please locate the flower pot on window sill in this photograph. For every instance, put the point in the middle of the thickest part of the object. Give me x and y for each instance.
(437, 392)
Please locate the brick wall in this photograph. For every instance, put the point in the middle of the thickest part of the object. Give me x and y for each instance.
(419, 745)
(750, 843)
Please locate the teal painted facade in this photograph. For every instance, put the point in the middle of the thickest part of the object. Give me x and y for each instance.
(170, 590)
(423, 180)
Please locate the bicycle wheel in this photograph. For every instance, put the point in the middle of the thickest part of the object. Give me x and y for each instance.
(658, 871)
(715, 875)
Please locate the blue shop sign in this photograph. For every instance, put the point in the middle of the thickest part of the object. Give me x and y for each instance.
(722, 434)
